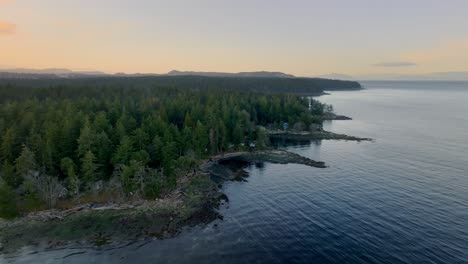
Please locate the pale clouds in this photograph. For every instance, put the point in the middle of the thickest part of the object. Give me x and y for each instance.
(444, 49)
(450, 55)
(395, 64)
(7, 28)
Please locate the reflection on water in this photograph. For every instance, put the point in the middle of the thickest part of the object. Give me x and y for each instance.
(400, 199)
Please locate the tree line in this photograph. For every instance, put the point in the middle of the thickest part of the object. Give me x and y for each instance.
(301, 86)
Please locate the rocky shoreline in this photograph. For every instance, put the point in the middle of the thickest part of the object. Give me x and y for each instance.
(194, 201)
(336, 117)
(104, 225)
(313, 135)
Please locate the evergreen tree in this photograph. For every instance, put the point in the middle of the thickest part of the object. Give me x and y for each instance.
(71, 181)
(88, 167)
(156, 151)
(188, 120)
(237, 134)
(124, 151)
(262, 138)
(9, 175)
(169, 154)
(8, 144)
(86, 139)
(140, 139)
(103, 149)
(8, 207)
(25, 163)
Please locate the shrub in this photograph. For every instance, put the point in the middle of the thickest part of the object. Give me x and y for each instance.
(8, 207)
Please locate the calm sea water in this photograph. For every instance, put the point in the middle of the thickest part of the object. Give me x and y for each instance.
(400, 199)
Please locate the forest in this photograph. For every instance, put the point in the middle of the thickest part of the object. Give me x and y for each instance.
(302, 86)
(75, 143)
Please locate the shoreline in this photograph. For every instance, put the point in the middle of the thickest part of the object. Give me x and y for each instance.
(195, 201)
(313, 135)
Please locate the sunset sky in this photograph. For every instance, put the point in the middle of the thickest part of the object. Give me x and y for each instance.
(305, 38)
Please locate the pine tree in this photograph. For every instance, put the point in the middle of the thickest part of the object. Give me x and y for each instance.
(103, 149)
(25, 163)
(9, 175)
(188, 120)
(88, 167)
(86, 139)
(72, 182)
(262, 138)
(156, 151)
(7, 202)
(201, 138)
(101, 123)
(237, 134)
(169, 154)
(140, 138)
(8, 144)
(124, 151)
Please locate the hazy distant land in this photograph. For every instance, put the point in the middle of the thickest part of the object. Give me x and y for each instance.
(253, 81)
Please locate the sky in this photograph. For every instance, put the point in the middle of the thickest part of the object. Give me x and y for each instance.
(301, 37)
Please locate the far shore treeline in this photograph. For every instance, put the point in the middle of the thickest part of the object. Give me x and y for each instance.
(78, 140)
(303, 86)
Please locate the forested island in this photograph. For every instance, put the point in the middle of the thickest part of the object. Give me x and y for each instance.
(109, 158)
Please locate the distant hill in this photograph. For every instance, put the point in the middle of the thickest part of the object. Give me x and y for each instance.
(66, 73)
(16, 75)
(302, 86)
(336, 76)
(259, 81)
(49, 72)
(56, 71)
(260, 74)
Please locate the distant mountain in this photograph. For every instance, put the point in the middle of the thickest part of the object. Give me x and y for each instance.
(66, 73)
(26, 73)
(261, 74)
(15, 75)
(57, 71)
(336, 76)
(50, 72)
(123, 74)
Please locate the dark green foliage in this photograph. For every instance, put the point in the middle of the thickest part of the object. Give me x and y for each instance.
(72, 183)
(21, 88)
(25, 163)
(153, 189)
(262, 138)
(9, 144)
(124, 151)
(82, 134)
(88, 167)
(30, 201)
(7, 202)
(8, 174)
(132, 176)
